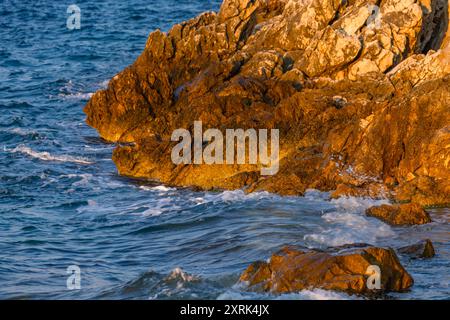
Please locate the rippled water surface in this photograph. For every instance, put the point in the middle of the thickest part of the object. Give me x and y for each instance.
(62, 202)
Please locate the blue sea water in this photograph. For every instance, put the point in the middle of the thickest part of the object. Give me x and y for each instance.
(62, 202)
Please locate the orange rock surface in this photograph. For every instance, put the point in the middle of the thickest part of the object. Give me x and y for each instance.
(344, 269)
(403, 214)
(362, 102)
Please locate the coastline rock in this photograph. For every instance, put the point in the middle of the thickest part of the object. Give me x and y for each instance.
(423, 249)
(397, 215)
(343, 269)
(362, 100)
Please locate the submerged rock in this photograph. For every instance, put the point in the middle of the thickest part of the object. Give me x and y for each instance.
(344, 269)
(360, 94)
(423, 249)
(403, 214)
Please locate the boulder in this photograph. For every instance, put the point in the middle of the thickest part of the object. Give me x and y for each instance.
(423, 249)
(344, 269)
(402, 214)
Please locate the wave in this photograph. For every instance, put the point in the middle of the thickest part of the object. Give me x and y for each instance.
(72, 91)
(314, 294)
(234, 196)
(157, 188)
(178, 274)
(46, 156)
(77, 96)
(356, 204)
(23, 132)
(347, 224)
(83, 179)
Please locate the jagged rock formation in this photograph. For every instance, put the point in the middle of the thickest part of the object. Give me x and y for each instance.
(360, 95)
(342, 269)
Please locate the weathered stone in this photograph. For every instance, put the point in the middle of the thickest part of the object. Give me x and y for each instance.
(403, 214)
(423, 249)
(342, 269)
(374, 190)
(281, 64)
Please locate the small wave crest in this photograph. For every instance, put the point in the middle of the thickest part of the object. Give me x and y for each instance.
(76, 96)
(72, 91)
(157, 188)
(179, 275)
(236, 293)
(347, 224)
(46, 156)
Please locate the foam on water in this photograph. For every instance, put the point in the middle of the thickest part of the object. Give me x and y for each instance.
(347, 224)
(179, 275)
(316, 294)
(46, 156)
(356, 205)
(236, 196)
(161, 188)
(23, 132)
(77, 96)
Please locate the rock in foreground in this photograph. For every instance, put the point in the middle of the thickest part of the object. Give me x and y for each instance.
(362, 101)
(345, 270)
(398, 215)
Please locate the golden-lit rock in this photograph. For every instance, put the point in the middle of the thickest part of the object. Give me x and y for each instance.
(403, 214)
(344, 269)
(360, 99)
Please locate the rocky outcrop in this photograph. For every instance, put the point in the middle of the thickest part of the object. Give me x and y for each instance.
(343, 269)
(398, 215)
(359, 92)
(423, 249)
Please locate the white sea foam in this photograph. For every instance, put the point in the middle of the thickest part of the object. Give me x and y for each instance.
(22, 132)
(104, 84)
(73, 91)
(348, 224)
(162, 189)
(46, 156)
(77, 96)
(356, 205)
(316, 195)
(160, 206)
(157, 188)
(179, 274)
(236, 196)
(315, 294)
(180, 277)
(84, 178)
(152, 212)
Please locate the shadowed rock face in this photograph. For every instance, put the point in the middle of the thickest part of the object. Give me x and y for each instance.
(362, 101)
(343, 269)
(423, 249)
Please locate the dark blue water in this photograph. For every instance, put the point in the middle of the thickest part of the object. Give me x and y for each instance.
(62, 202)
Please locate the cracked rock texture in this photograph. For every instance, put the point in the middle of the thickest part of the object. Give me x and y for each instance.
(359, 90)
